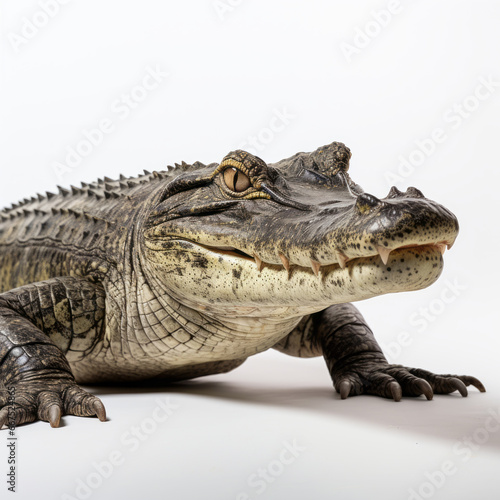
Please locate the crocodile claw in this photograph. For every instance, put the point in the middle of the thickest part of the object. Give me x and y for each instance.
(345, 388)
(396, 391)
(54, 416)
(459, 386)
(445, 384)
(425, 388)
(369, 375)
(468, 380)
(100, 411)
(49, 399)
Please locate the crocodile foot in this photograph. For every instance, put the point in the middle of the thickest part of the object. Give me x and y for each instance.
(47, 399)
(371, 375)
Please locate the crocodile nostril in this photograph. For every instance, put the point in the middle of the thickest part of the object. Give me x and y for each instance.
(395, 193)
(366, 201)
(414, 193)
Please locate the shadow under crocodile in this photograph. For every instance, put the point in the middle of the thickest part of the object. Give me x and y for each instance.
(447, 417)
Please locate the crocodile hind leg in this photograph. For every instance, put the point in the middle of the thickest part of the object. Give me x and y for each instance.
(39, 324)
(356, 362)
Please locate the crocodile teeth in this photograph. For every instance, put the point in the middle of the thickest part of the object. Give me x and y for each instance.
(383, 252)
(259, 262)
(315, 265)
(286, 262)
(449, 245)
(442, 247)
(342, 258)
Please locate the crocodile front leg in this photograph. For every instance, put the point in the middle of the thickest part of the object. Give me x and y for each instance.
(356, 362)
(39, 323)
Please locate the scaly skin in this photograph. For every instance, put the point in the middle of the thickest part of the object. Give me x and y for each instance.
(187, 272)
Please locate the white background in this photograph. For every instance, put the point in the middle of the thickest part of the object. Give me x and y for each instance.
(231, 70)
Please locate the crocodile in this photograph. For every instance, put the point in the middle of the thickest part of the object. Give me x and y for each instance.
(188, 271)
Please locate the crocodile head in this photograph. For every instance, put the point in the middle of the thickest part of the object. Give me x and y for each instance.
(296, 234)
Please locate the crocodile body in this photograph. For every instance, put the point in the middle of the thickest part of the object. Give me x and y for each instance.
(189, 271)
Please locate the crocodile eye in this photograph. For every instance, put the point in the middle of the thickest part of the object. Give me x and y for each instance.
(236, 180)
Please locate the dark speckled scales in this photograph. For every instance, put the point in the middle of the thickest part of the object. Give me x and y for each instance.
(356, 362)
(42, 325)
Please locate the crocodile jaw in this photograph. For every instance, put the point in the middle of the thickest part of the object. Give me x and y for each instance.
(223, 283)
